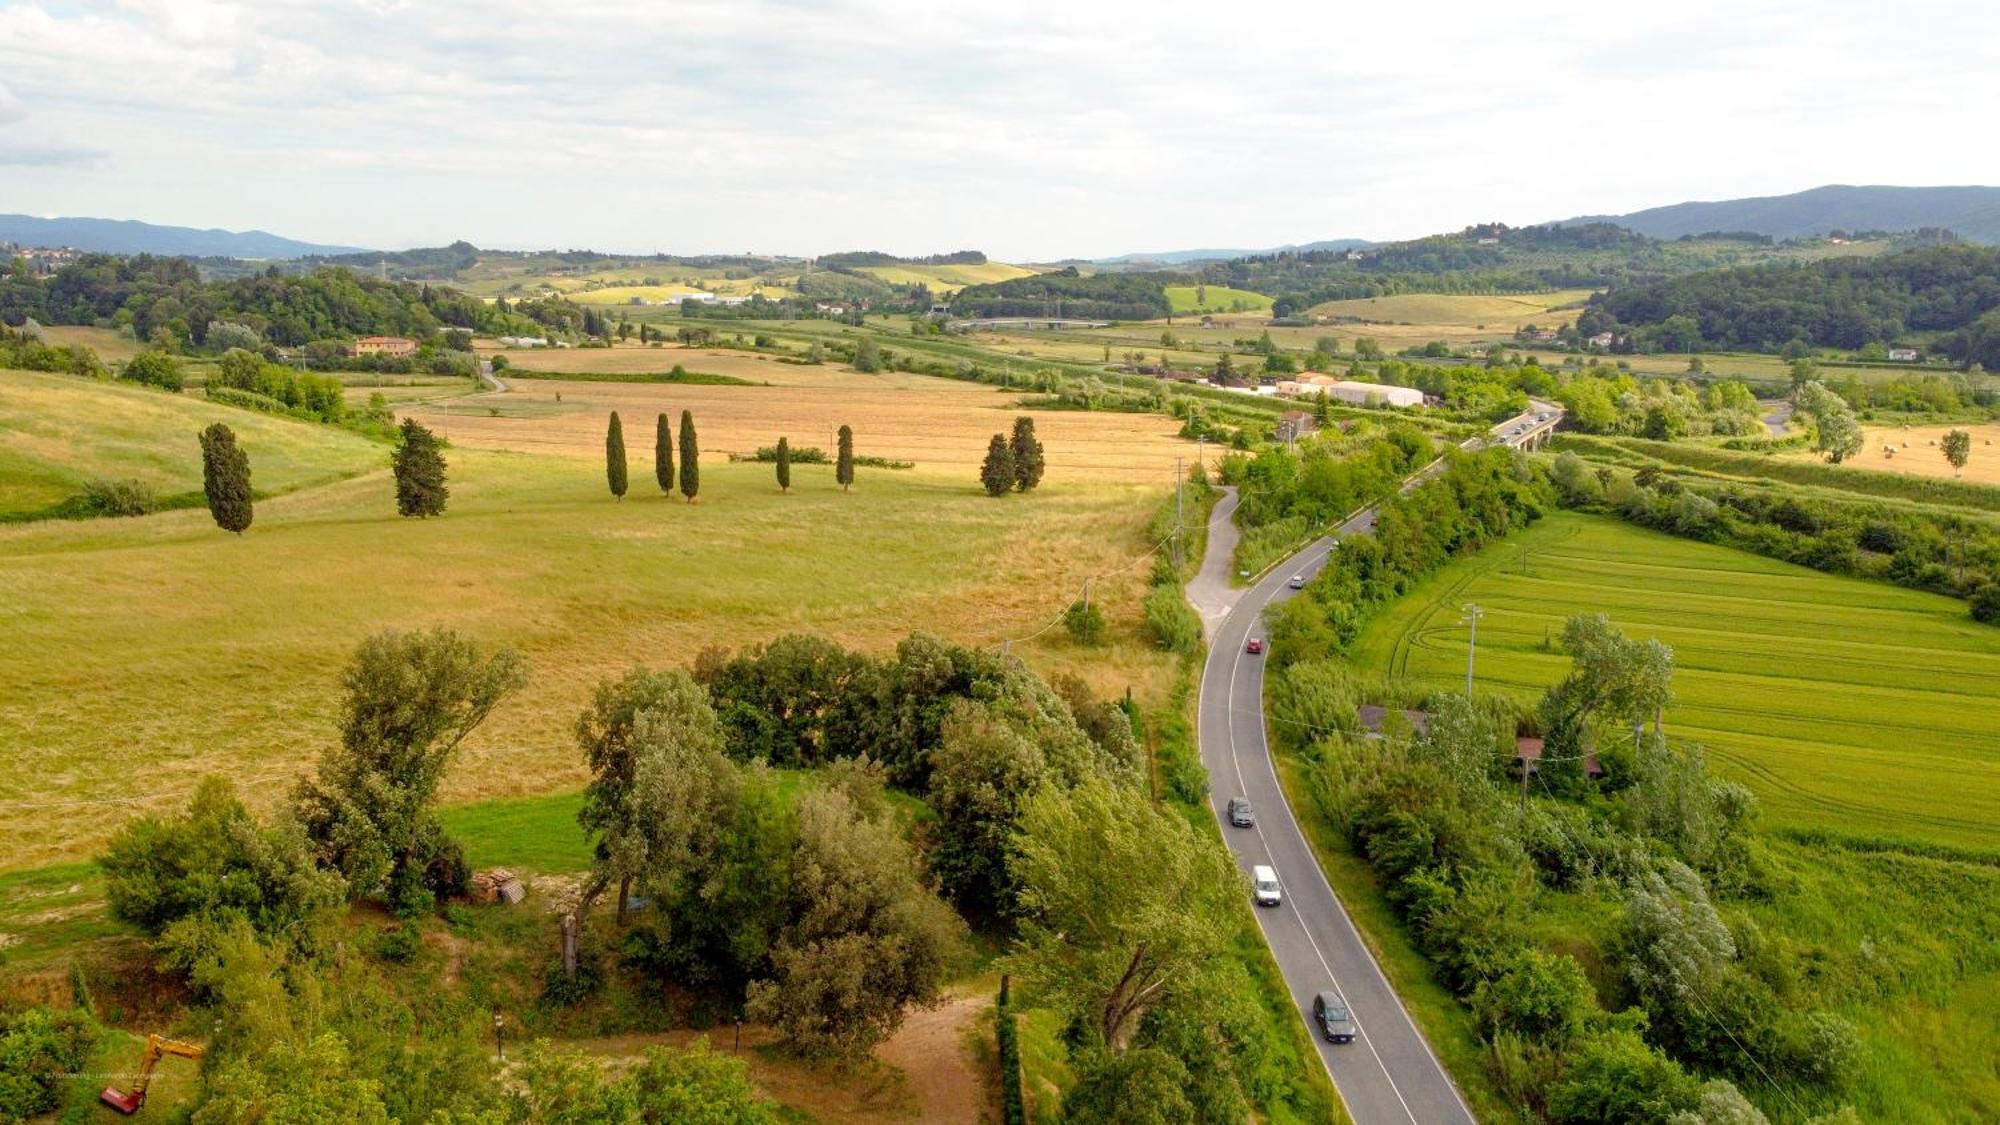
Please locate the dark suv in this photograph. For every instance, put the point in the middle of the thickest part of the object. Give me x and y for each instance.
(1239, 813)
(1333, 1018)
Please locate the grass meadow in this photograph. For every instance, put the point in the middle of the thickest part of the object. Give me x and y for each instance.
(139, 655)
(58, 432)
(1184, 299)
(1848, 705)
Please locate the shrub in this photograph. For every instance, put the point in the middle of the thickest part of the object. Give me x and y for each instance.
(1085, 622)
(119, 497)
(154, 369)
(1986, 604)
(1171, 621)
(39, 1050)
(1617, 1077)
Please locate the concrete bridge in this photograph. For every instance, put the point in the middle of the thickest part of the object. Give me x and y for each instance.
(1530, 430)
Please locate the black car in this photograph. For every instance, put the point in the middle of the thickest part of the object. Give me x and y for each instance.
(1331, 1014)
(1239, 813)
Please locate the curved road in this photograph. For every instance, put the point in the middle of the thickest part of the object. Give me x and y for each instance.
(1389, 1073)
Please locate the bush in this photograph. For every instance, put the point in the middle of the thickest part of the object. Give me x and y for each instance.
(1986, 604)
(39, 1050)
(119, 497)
(1013, 1108)
(154, 369)
(1172, 621)
(1085, 622)
(1617, 1077)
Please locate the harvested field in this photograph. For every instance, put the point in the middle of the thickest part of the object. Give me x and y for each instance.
(938, 424)
(1919, 451)
(1495, 311)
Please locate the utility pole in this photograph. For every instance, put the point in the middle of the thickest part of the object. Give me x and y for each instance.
(1179, 478)
(1472, 615)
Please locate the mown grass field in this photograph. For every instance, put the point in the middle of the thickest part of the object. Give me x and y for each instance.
(58, 432)
(113, 346)
(139, 655)
(1215, 298)
(948, 278)
(1847, 705)
(1495, 311)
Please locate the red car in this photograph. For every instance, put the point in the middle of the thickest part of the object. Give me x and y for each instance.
(1255, 647)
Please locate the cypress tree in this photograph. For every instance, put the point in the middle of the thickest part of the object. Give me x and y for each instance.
(225, 477)
(663, 454)
(843, 466)
(1027, 451)
(614, 457)
(784, 464)
(997, 474)
(690, 458)
(419, 467)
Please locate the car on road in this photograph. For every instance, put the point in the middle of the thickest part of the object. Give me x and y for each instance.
(1255, 647)
(1265, 881)
(1330, 1014)
(1240, 814)
(1298, 582)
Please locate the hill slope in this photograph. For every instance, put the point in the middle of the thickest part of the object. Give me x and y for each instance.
(1972, 212)
(127, 236)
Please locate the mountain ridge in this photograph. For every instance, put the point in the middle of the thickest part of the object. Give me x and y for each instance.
(130, 236)
(1970, 211)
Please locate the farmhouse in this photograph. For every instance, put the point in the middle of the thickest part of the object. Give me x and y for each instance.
(1903, 355)
(1603, 340)
(385, 345)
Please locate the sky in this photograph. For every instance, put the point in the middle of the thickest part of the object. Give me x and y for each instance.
(1032, 131)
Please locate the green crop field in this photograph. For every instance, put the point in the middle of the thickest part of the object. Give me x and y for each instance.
(1847, 705)
(58, 432)
(1215, 298)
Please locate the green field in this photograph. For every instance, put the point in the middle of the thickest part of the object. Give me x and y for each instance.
(59, 431)
(1214, 298)
(185, 651)
(1847, 705)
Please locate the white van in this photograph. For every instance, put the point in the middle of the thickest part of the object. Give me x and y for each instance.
(1265, 880)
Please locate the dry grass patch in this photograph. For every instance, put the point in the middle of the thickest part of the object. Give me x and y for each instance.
(938, 424)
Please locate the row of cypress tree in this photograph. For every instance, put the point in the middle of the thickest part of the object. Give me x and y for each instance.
(418, 466)
(690, 458)
(1013, 464)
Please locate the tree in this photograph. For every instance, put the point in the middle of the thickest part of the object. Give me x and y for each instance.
(1957, 448)
(864, 938)
(419, 467)
(1627, 680)
(663, 453)
(614, 457)
(153, 369)
(1119, 903)
(997, 473)
(690, 458)
(1143, 1086)
(411, 699)
(1027, 453)
(1837, 433)
(645, 738)
(784, 464)
(225, 478)
(1618, 1077)
(867, 355)
(843, 466)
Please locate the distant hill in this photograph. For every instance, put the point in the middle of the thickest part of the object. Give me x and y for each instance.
(1182, 257)
(126, 236)
(1971, 212)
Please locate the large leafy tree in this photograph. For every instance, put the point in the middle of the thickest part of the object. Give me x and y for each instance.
(411, 699)
(1027, 452)
(419, 467)
(1610, 676)
(225, 478)
(997, 473)
(1120, 903)
(690, 458)
(1836, 431)
(614, 457)
(1957, 447)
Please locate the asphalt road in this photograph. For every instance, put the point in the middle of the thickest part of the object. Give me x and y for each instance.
(1389, 1073)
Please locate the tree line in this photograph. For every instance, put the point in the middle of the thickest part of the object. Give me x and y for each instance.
(688, 474)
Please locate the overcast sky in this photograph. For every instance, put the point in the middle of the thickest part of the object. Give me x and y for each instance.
(1031, 131)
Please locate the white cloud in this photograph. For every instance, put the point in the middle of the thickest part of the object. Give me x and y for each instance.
(1028, 131)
